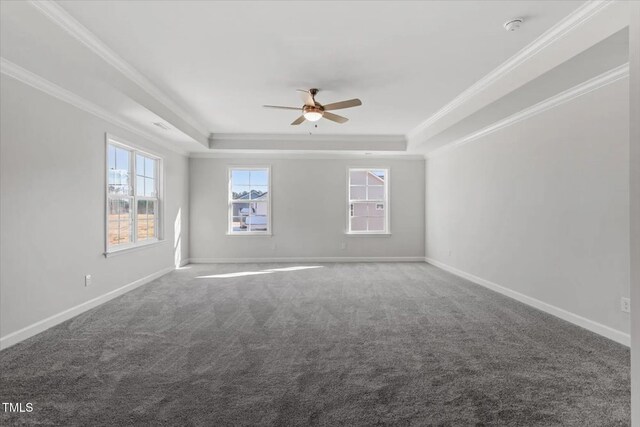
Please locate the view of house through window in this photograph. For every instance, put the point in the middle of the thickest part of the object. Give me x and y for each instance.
(249, 201)
(368, 194)
(132, 196)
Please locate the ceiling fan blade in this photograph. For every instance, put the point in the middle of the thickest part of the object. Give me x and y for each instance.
(281, 107)
(343, 104)
(297, 121)
(334, 117)
(306, 97)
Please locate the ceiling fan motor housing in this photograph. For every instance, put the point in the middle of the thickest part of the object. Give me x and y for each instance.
(313, 108)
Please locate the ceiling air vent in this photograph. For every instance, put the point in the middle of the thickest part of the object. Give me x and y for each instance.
(162, 125)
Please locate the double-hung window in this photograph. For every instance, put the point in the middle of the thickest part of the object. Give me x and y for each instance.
(368, 208)
(249, 200)
(133, 197)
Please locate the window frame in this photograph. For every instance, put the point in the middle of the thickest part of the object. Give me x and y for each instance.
(386, 200)
(133, 150)
(230, 201)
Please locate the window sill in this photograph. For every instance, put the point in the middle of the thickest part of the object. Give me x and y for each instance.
(368, 234)
(250, 233)
(133, 248)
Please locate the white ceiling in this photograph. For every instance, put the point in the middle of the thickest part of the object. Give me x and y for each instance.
(606, 55)
(427, 72)
(221, 61)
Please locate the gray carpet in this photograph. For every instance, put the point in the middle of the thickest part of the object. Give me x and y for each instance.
(342, 344)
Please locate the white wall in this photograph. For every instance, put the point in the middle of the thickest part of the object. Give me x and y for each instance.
(52, 210)
(309, 211)
(542, 207)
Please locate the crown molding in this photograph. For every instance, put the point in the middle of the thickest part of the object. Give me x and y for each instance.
(582, 14)
(307, 142)
(302, 155)
(25, 76)
(64, 20)
(288, 137)
(583, 88)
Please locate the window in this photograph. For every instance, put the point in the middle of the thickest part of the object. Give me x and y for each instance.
(368, 201)
(133, 197)
(249, 201)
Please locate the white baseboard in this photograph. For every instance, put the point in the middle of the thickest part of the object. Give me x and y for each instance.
(42, 325)
(598, 328)
(303, 259)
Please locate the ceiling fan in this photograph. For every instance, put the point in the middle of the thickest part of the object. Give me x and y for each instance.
(313, 111)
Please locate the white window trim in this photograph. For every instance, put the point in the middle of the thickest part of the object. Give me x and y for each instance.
(119, 249)
(230, 232)
(387, 200)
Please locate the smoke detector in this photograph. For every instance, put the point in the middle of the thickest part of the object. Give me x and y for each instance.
(513, 24)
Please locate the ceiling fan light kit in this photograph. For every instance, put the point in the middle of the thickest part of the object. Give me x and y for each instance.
(312, 114)
(313, 111)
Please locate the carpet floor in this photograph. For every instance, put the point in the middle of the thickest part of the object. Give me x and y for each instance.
(336, 344)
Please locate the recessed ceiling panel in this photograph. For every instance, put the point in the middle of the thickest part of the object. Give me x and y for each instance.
(404, 60)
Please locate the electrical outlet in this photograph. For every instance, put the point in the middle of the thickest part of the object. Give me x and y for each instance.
(274, 247)
(625, 305)
(343, 245)
(87, 280)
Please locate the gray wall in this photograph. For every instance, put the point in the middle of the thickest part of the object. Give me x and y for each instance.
(309, 211)
(542, 207)
(52, 212)
(634, 89)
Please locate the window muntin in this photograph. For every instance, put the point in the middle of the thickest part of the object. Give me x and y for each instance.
(368, 201)
(249, 200)
(133, 191)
